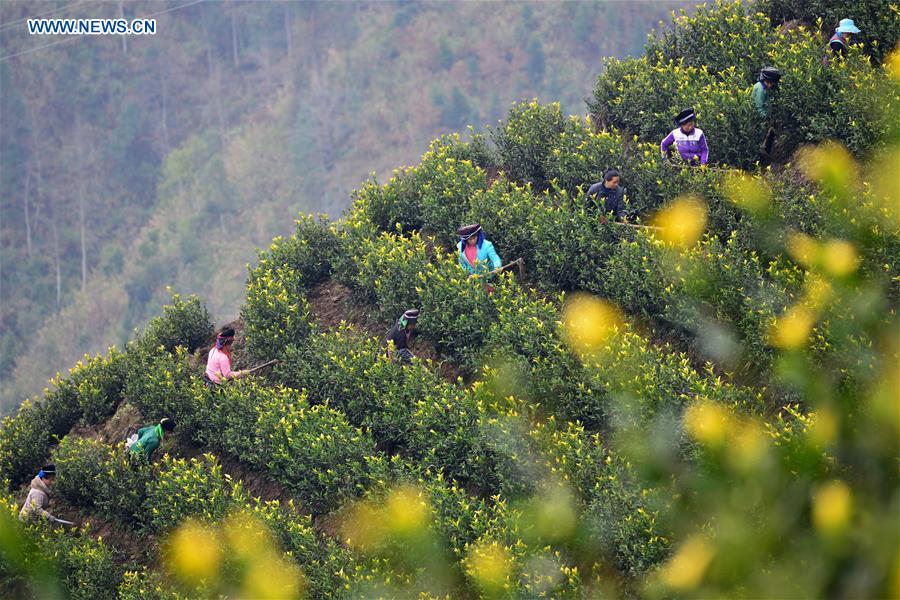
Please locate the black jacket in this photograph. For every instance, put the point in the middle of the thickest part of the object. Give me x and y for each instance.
(608, 200)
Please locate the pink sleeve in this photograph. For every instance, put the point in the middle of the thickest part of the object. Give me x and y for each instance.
(225, 366)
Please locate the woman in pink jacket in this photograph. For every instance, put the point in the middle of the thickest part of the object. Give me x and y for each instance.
(218, 365)
(38, 499)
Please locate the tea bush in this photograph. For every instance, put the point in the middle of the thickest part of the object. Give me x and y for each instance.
(167, 386)
(385, 272)
(525, 140)
(315, 453)
(351, 372)
(100, 387)
(93, 475)
(184, 488)
(275, 309)
(183, 323)
(309, 252)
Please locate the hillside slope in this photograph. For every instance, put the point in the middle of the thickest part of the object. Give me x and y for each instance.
(619, 413)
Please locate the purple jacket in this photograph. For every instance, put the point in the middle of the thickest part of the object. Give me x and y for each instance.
(691, 147)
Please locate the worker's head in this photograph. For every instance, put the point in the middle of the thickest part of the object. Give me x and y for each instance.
(409, 318)
(611, 179)
(471, 234)
(770, 76)
(225, 338)
(846, 29)
(167, 424)
(686, 120)
(47, 473)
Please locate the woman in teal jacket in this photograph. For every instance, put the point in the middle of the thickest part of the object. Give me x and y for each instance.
(150, 437)
(476, 255)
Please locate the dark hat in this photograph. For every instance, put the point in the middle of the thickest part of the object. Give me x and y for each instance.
(770, 74)
(228, 332)
(412, 315)
(49, 469)
(685, 116)
(468, 231)
(167, 424)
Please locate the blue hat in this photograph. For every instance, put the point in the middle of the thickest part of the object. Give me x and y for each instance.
(847, 26)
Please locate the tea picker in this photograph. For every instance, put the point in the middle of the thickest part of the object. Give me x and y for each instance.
(608, 196)
(688, 139)
(147, 439)
(38, 499)
(400, 335)
(477, 255)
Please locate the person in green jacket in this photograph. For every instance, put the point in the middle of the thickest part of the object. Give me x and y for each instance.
(762, 90)
(150, 437)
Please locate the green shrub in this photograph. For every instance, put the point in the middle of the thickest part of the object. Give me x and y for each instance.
(580, 157)
(385, 273)
(187, 488)
(351, 372)
(183, 323)
(275, 310)
(447, 186)
(100, 385)
(24, 442)
(87, 568)
(165, 385)
(525, 141)
(93, 475)
(309, 252)
(456, 309)
(146, 585)
(725, 34)
(315, 453)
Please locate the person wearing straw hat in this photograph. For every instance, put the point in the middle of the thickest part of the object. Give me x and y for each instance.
(218, 363)
(38, 499)
(843, 35)
(400, 335)
(477, 255)
(688, 139)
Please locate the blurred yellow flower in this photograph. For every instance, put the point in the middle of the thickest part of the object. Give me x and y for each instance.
(407, 511)
(832, 505)
(489, 565)
(708, 422)
(748, 447)
(686, 569)
(363, 526)
(682, 222)
(892, 63)
(803, 249)
(246, 536)
(194, 553)
(830, 164)
(839, 258)
(272, 577)
(747, 192)
(588, 322)
(824, 428)
(791, 330)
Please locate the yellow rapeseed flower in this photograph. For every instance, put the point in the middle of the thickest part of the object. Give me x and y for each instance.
(194, 553)
(892, 63)
(686, 569)
(831, 164)
(832, 505)
(588, 322)
(407, 511)
(791, 330)
(272, 577)
(803, 249)
(682, 222)
(839, 258)
(489, 565)
(747, 192)
(364, 526)
(708, 423)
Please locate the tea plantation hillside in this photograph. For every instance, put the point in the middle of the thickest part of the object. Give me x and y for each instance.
(704, 402)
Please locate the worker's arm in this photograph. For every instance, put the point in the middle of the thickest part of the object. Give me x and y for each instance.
(496, 263)
(704, 150)
(667, 143)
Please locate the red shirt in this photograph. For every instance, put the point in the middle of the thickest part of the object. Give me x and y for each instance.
(471, 251)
